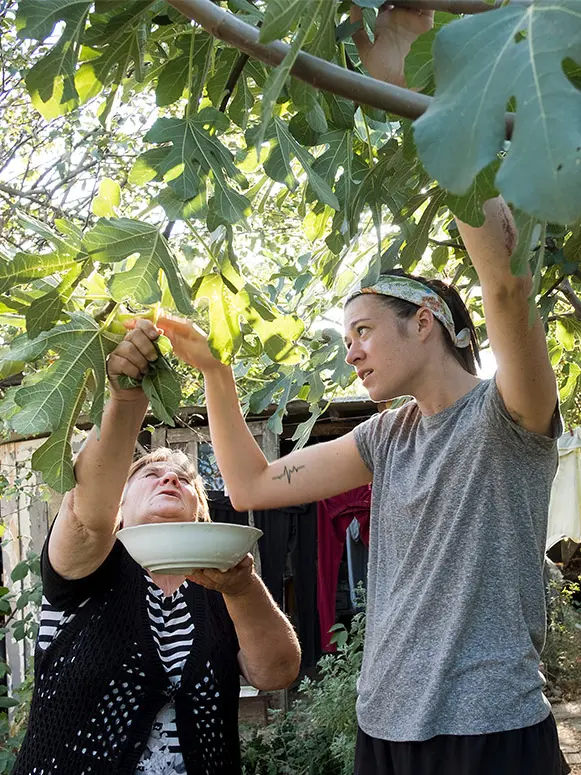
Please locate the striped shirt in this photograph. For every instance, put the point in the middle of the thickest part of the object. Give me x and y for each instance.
(173, 632)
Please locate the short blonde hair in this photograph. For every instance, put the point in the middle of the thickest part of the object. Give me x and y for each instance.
(182, 462)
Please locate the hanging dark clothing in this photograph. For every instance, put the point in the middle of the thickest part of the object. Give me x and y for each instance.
(291, 530)
(357, 558)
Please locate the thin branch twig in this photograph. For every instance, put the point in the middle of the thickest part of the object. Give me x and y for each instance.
(168, 229)
(32, 195)
(574, 300)
(447, 244)
(318, 72)
(235, 74)
(550, 290)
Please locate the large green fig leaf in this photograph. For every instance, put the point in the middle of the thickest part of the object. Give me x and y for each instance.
(38, 18)
(25, 267)
(54, 458)
(419, 63)
(82, 346)
(43, 313)
(469, 206)
(279, 18)
(231, 299)
(224, 310)
(124, 47)
(186, 69)
(483, 61)
(192, 154)
(51, 81)
(115, 239)
(278, 165)
(162, 387)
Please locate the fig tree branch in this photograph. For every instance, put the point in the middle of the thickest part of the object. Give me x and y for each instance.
(456, 6)
(321, 74)
(574, 300)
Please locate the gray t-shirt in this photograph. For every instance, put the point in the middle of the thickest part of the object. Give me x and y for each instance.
(456, 611)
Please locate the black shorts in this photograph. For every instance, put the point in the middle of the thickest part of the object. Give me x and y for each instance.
(529, 751)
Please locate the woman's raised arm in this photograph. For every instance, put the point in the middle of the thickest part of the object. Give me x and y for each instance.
(84, 530)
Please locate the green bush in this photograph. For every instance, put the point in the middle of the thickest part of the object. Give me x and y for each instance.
(317, 735)
(12, 731)
(19, 611)
(562, 652)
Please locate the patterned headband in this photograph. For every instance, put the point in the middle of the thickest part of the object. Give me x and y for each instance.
(419, 294)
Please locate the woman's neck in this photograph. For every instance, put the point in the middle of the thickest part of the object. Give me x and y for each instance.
(167, 583)
(442, 383)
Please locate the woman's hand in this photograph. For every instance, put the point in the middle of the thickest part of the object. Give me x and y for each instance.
(189, 343)
(395, 31)
(132, 358)
(232, 582)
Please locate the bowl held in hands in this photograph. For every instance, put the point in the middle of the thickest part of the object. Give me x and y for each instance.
(179, 547)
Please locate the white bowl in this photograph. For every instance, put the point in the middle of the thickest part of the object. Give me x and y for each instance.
(179, 547)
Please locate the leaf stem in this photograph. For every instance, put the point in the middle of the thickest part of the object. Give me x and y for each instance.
(201, 240)
(110, 316)
(537, 273)
(369, 144)
(233, 78)
(190, 72)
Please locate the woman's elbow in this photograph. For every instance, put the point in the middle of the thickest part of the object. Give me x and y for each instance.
(279, 676)
(240, 501)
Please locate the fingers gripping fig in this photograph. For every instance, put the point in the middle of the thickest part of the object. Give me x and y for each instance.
(132, 357)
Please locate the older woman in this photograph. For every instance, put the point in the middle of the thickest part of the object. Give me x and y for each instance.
(136, 671)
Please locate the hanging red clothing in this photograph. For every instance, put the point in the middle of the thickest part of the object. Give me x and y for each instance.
(334, 515)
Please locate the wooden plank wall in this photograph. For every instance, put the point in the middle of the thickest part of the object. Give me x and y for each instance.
(26, 521)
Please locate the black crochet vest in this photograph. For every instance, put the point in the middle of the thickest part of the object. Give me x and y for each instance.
(100, 685)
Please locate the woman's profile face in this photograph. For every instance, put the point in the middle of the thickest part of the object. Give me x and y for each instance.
(159, 492)
(383, 355)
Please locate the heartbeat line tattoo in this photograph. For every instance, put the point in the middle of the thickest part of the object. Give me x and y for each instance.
(288, 472)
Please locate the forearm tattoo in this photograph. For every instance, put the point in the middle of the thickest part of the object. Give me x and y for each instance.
(288, 472)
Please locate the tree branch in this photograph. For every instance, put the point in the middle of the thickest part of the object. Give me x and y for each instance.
(318, 72)
(32, 195)
(73, 174)
(574, 300)
(455, 6)
(448, 244)
(550, 290)
(11, 381)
